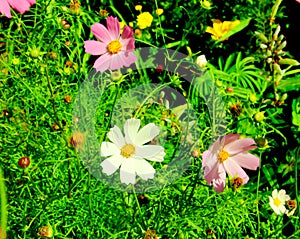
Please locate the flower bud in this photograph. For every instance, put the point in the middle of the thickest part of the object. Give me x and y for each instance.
(159, 11)
(277, 68)
(34, 52)
(201, 61)
(288, 61)
(259, 116)
(75, 7)
(262, 37)
(262, 142)
(253, 98)
(281, 46)
(263, 46)
(46, 232)
(284, 97)
(24, 162)
(196, 153)
(276, 32)
(280, 38)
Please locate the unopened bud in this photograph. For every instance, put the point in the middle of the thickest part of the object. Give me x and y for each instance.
(263, 46)
(277, 68)
(288, 61)
(280, 38)
(284, 97)
(276, 32)
(282, 45)
(262, 37)
(259, 116)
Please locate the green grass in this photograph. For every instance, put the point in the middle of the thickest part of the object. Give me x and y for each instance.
(42, 69)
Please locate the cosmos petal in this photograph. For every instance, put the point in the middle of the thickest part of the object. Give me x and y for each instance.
(115, 135)
(111, 164)
(108, 149)
(128, 171)
(131, 128)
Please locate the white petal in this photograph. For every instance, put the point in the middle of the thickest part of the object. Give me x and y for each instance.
(130, 129)
(108, 149)
(151, 152)
(144, 169)
(127, 171)
(111, 164)
(146, 134)
(115, 136)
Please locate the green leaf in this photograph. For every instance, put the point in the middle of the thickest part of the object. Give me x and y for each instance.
(236, 29)
(289, 84)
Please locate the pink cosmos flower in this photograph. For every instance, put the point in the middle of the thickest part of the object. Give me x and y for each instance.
(228, 155)
(19, 5)
(115, 50)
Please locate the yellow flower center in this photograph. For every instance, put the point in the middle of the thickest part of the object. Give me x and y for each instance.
(277, 202)
(114, 47)
(223, 155)
(127, 150)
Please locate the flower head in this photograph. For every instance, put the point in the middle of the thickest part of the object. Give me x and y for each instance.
(144, 20)
(159, 11)
(20, 6)
(115, 50)
(278, 201)
(201, 61)
(129, 152)
(228, 155)
(220, 28)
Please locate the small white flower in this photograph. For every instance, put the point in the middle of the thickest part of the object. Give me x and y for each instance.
(129, 152)
(278, 201)
(201, 61)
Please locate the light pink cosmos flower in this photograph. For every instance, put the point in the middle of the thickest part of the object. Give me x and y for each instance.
(115, 50)
(228, 155)
(19, 5)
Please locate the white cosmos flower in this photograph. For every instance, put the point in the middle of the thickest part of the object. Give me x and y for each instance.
(278, 201)
(130, 153)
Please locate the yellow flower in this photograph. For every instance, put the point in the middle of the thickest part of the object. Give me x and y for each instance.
(206, 4)
(138, 7)
(159, 11)
(220, 28)
(122, 25)
(144, 20)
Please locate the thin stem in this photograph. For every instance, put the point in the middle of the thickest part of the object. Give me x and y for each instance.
(3, 206)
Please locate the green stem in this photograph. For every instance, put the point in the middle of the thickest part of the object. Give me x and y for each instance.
(3, 206)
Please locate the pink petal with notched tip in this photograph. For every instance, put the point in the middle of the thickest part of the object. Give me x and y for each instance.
(127, 32)
(113, 27)
(246, 160)
(19, 5)
(219, 183)
(234, 170)
(212, 172)
(101, 33)
(129, 58)
(102, 63)
(230, 138)
(5, 8)
(117, 61)
(240, 145)
(95, 47)
(31, 1)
